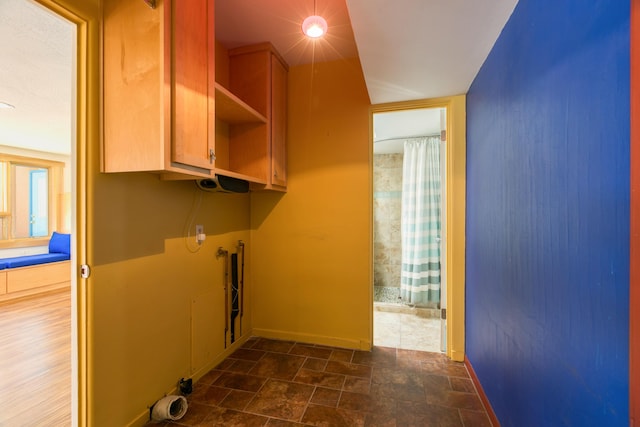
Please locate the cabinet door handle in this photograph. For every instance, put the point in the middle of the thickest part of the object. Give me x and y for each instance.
(212, 156)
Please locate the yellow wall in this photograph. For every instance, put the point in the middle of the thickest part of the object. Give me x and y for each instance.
(308, 254)
(152, 310)
(312, 246)
(147, 284)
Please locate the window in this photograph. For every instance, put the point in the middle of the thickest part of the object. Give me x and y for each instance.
(29, 190)
(5, 216)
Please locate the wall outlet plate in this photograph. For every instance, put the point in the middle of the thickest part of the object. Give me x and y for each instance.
(200, 234)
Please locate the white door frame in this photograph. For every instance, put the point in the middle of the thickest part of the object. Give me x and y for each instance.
(86, 15)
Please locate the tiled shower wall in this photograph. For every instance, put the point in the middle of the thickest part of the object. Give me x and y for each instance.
(387, 203)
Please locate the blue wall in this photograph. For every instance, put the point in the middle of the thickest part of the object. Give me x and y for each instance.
(547, 253)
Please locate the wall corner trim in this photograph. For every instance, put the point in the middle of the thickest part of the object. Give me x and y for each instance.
(634, 232)
(481, 394)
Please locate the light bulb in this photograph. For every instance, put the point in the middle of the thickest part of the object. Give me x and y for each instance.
(314, 26)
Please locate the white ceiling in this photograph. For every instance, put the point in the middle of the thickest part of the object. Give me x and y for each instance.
(417, 49)
(391, 129)
(408, 49)
(35, 77)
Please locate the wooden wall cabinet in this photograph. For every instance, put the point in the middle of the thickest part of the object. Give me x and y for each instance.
(164, 111)
(159, 83)
(258, 77)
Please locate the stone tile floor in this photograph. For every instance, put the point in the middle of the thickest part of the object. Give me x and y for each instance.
(282, 383)
(405, 327)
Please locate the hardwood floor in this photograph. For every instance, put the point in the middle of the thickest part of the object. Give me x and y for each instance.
(35, 350)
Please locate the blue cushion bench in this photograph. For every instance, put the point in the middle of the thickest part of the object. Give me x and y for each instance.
(33, 274)
(24, 261)
(59, 250)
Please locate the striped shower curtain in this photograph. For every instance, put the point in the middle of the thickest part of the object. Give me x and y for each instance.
(420, 227)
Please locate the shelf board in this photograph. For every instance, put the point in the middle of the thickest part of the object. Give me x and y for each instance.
(175, 176)
(233, 110)
(231, 174)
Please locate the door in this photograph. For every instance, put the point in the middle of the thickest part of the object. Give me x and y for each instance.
(443, 226)
(84, 19)
(278, 123)
(38, 206)
(191, 46)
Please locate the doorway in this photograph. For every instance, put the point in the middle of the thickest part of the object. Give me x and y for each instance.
(39, 126)
(409, 185)
(453, 216)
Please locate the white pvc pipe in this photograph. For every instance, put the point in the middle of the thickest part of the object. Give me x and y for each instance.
(169, 408)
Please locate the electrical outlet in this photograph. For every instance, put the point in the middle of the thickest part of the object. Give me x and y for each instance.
(200, 234)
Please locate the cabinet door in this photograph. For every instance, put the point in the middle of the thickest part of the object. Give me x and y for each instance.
(133, 87)
(278, 123)
(191, 37)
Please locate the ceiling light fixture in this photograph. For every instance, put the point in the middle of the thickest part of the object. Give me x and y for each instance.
(5, 105)
(314, 26)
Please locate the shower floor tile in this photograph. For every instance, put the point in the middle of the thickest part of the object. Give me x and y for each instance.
(406, 330)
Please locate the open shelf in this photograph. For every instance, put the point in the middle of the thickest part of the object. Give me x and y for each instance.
(233, 110)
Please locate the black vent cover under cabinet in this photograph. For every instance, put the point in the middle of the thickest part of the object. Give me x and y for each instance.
(225, 184)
